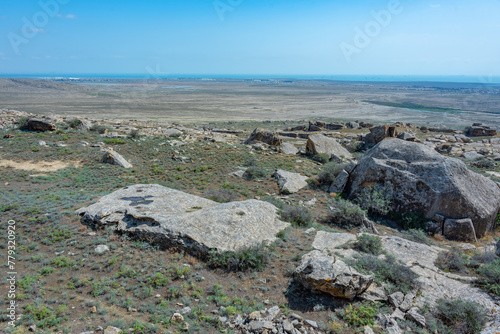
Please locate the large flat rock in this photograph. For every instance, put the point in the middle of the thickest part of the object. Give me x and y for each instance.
(173, 218)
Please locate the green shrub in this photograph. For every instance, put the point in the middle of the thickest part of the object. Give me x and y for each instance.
(73, 123)
(114, 141)
(329, 172)
(221, 195)
(411, 220)
(376, 200)
(253, 258)
(346, 214)
(297, 215)
(483, 163)
(359, 315)
(274, 201)
(417, 236)
(370, 244)
(396, 276)
(490, 280)
(254, 172)
(453, 261)
(322, 158)
(22, 123)
(462, 317)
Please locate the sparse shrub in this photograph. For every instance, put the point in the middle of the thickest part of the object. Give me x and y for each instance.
(453, 261)
(359, 315)
(370, 244)
(254, 172)
(221, 195)
(346, 214)
(297, 215)
(396, 276)
(158, 280)
(355, 146)
(134, 134)
(73, 123)
(321, 158)
(376, 200)
(22, 123)
(417, 236)
(114, 141)
(483, 163)
(252, 161)
(462, 317)
(253, 258)
(490, 280)
(274, 201)
(411, 220)
(329, 172)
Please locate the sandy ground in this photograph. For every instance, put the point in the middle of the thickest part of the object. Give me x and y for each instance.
(201, 101)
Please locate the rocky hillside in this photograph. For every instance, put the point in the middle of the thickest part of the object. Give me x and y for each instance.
(142, 227)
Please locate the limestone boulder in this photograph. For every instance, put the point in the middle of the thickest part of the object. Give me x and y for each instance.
(288, 182)
(318, 271)
(35, 124)
(112, 157)
(264, 136)
(288, 148)
(318, 144)
(428, 183)
(459, 230)
(169, 217)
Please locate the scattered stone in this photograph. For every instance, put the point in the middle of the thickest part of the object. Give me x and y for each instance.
(98, 144)
(172, 132)
(480, 130)
(114, 158)
(374, 294)
(416, 317)
(42, 143)
(368, 330)
(32, 328)
(473, 155)
(260, 325)
(288, 326)
(173, 218)
(35, 124)
(255, 315)
(131, 309)
(185, 326)
(398, 314)
(459, 230)
(318, 144)
(8, 135)
(311, 323)
(101, 249)
(176, 317)
(290, 183)
(186, 309)
(425, 182)
(266, 137)
(288, 148)
(318, 271)
(396, 299)
(93, 309)
(340, 182)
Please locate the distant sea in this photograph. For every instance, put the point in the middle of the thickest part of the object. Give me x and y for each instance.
(348, 78)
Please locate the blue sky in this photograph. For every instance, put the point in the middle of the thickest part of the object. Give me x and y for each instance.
(308, 37)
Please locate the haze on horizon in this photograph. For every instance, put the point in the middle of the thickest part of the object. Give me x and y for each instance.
(316, 37)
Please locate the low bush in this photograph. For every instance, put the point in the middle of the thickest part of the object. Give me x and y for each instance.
(411, 220)
(297, 215)
(253, 258)
(490, 280)
(389, 271)
(375, 200)
(274, 201)
(359, 315)
(370, 244)
(114, 141)
(254, 172)
(346, 214)
(329, 172)
(417, 236)
(221, 195)
(453, 261)
(461, 317)
(321, 158)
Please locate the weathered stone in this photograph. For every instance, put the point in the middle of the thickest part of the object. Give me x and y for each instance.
(398, 314)
(407, 302)
(340, 182)
(406, 136)
(176, 317)
(389, 324)
(472, 155)
(396, 299)
(288, 148)
(318, 144)
(173, 218)
(42, 143)
(480, 130)
(318, 271)
(416, 317)
(172, 132)
(112, 330)
(290, 183)
(311, 323)
(266, 137)
(260, 325)
(326, 241)
(114, 158)
(379, 133)
(288, 326)
(35, 124)
(374, 294)
(459, 230)
(426, 182)
(101, 249)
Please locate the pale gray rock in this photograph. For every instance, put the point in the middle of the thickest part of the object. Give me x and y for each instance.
(288, 326)
(318, 271)
(311, 323)
(472, 155)
(112, 157)
(374, 294)
(172, 132)
(258, 326)
(317, 144)
(459, 230)
(407, 302)
(327, 241)
(340, 182)
(426, 182)
(42, 143)
(398, 314)
(416, 317)
(389, 324)
(396, 299)
(35, 124)
(101, 249)
(288, 148)
(290, 183)
(173, 218)
(112, 330)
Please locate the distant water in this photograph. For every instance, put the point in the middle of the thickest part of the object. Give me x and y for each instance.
(352, 78)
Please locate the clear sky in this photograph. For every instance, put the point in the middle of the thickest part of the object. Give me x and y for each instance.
(307, 37)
